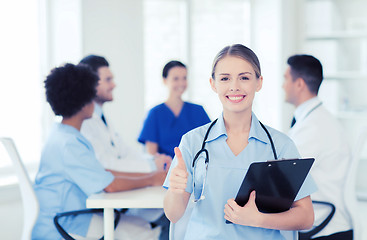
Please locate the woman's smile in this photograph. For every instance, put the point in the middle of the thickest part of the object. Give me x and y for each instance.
(236, 98)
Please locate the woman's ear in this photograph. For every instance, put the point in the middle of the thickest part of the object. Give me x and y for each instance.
(212, 84)
(259, 83)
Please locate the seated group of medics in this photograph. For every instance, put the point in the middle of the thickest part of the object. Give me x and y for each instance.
(85, 155)
(92, 157)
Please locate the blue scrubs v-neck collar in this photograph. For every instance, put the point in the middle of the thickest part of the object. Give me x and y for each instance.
(170, 110)
(256, 131)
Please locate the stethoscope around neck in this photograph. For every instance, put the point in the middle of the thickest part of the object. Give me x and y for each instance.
(205, 151)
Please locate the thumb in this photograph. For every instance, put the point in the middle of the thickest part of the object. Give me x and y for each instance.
(252, 196)
(181, 163)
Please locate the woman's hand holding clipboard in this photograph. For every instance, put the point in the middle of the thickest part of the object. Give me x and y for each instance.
(247, 215)
(276, 184)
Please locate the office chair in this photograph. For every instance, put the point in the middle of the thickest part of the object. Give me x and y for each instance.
(306, 235)
(29, 198)
(62, 231)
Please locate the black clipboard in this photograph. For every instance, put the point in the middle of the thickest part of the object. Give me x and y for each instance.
(276, 183)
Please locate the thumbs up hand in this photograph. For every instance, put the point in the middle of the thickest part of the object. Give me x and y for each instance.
(178, 177)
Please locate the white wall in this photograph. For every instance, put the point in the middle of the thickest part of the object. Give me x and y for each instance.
(290, 43)
(11, 213)
(266, 40)
(114, 29)
(110, 28)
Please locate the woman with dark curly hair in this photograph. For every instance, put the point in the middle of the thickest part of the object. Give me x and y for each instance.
(69, 171)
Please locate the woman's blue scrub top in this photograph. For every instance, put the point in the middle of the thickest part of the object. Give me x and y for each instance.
(224, 177)
(162, 127)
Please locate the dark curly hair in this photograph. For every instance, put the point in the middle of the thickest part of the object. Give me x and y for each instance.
(69, 88)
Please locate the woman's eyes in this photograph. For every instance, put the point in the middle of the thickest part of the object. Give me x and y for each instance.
(241, 78)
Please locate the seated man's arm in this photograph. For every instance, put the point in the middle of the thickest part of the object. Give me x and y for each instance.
(126, 181)
(162, 162)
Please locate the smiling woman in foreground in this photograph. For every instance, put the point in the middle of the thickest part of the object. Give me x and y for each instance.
(234, 141)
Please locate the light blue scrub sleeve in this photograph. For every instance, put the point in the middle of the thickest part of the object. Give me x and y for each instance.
(85, 170)
(309, 186)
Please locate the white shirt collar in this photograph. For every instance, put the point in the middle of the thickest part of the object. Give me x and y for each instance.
(303, 109)
(97, 110)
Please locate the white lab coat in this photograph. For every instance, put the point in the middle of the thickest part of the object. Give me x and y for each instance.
(118, 156)
(111, 150)
(318, 134)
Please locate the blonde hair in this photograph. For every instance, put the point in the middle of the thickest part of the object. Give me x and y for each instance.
(241, 51)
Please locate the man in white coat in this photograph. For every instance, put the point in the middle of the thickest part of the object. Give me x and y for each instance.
(111, 150)
(318, 134)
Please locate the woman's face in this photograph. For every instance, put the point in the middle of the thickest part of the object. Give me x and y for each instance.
(176, 81)
(235, 83)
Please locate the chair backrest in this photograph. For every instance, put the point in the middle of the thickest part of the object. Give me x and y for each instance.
(350, 194)
(29, 198)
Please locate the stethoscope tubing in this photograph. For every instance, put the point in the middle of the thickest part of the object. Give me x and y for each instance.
(203, 149)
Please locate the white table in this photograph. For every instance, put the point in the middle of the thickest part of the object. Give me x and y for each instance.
(149, 197)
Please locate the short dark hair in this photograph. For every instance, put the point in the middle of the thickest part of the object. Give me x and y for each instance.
(69, 88)
(171, 64)
(308, 68)
(95, 62)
